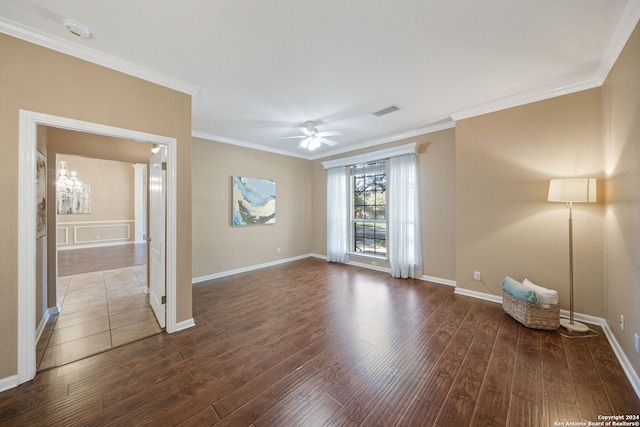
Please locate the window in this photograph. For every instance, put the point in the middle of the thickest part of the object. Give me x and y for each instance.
(369, 208)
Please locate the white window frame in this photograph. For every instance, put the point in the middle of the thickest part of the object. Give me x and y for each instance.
(354, 220)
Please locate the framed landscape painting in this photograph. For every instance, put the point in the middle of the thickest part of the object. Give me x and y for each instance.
(253, 201)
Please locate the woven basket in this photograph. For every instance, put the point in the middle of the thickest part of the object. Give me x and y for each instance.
(531, 314)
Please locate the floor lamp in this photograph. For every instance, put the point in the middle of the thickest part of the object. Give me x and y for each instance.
(570, 190)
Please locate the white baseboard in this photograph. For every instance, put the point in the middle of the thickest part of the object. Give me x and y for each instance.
(185, 324)
(480, 295)
(438, 280)
(631, 374)
(624, 361)
(43, 323)
(245, 269)
(426, 278)
(9, 382)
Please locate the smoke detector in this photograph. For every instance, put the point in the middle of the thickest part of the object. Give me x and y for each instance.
(77, 28)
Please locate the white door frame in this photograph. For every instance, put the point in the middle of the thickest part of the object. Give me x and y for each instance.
(29, 122)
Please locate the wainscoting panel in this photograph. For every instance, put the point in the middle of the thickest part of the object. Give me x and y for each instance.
(94, 233)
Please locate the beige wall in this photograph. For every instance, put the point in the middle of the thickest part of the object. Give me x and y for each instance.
(436, 163)
(112, 200)
(621, 114)
(38, 79)
(504, 224)
(217, 246)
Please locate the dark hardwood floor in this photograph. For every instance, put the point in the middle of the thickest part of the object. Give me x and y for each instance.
(87, 260)
(310, 343)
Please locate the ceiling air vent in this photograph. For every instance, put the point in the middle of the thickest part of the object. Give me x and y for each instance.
(386, 111)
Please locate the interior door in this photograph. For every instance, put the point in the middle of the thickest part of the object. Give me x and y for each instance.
(157, 233)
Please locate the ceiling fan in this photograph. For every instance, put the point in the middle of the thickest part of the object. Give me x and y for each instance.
(312, 139)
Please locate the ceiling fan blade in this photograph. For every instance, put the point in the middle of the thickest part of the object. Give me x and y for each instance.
(293, 137)
(329, 133)
(328, 141)
(306, 131)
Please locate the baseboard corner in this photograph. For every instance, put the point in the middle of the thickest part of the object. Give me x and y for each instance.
(8, 383)
(185, 324)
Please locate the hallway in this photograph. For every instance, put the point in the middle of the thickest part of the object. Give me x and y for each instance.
(100, 310)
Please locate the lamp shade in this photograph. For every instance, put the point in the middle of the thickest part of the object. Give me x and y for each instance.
(572, 190)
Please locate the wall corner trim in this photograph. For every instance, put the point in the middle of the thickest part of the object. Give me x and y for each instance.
(631, 374)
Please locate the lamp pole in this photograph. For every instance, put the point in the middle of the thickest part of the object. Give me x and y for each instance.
(570, 262)
(570, 324)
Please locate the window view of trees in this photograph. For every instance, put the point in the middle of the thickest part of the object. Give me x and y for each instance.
(369, 186)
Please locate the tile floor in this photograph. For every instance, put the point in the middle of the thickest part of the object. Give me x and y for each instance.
(100, 310)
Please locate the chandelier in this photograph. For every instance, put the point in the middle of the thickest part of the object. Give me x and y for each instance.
(67, 182)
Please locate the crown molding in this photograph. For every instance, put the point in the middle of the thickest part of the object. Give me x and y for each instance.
(551, 90)
(239, 143)
(571, 84)
(625, 27)
(63, 46)
(440, 125)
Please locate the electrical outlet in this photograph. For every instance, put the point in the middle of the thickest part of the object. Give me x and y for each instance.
(637, 343)
(97, 237)
(277, 250)
(374, 262)
(476, 275)
(622, 322)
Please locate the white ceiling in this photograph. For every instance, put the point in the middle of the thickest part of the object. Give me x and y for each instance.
(258, 69)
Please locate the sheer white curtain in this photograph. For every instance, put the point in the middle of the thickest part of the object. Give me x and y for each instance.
(405, 253)
(337, 215)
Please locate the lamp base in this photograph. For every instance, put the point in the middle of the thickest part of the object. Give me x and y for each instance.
(575, 326)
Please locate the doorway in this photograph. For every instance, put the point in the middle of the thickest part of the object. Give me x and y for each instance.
(29, 121)
(101, 253)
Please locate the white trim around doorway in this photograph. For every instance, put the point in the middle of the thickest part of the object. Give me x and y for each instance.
(29, 122)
